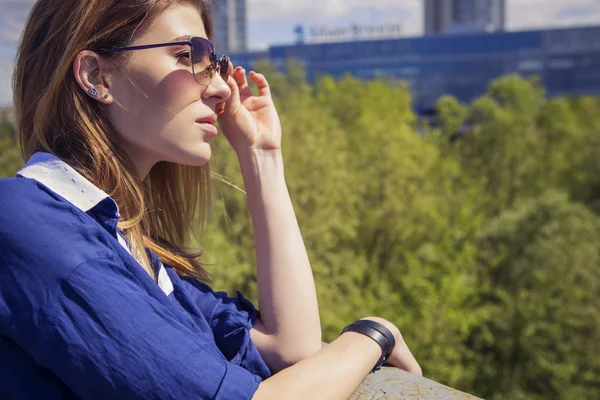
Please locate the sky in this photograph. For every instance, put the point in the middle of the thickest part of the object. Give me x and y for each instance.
(273, 21)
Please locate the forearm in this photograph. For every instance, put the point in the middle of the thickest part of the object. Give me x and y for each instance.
(333, 373)
(286, 289)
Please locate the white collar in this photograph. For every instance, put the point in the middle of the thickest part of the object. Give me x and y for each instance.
(62, 179)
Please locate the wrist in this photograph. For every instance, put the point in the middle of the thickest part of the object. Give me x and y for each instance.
(358, 341)
(378, 333)
(251, 154)
(392, 328)
(259, 165)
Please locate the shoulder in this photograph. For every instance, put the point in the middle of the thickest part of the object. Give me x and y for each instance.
(27, 212)
(15, 190)
(22, 199)
(39, 228)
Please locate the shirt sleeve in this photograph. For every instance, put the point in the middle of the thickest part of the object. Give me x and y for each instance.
(231, 319)
(111, 340)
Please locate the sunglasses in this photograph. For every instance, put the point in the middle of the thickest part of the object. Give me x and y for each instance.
(202, 57)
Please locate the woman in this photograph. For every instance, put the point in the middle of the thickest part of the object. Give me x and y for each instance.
(116, 102)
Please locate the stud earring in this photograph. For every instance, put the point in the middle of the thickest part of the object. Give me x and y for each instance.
(93, 92)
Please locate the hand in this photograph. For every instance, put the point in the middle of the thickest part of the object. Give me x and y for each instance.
(401, 356)
(249, 122)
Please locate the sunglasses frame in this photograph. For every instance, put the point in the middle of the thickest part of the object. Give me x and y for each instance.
(221, 65)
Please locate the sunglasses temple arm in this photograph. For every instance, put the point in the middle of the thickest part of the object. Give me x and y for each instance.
(148, 46)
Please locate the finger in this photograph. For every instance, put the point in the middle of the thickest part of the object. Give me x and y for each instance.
(240, 77)
(261, 83)
(404, 359)
(234, 101)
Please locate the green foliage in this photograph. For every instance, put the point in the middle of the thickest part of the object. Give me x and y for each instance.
(477, 236)
(10, 154)
(538, 283)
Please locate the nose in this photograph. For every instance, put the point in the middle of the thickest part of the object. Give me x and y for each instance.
(217, 90)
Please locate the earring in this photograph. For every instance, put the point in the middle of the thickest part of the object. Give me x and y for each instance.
(93, 92)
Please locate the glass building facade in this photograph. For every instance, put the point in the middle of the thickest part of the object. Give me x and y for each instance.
(229, 20)
(566, 60)
(462, 16)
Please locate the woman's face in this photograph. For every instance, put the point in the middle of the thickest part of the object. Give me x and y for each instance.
(158, 108)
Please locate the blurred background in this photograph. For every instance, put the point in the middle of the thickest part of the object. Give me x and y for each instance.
(444, 161)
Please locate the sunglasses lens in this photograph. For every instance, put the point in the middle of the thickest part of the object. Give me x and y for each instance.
(203, 59)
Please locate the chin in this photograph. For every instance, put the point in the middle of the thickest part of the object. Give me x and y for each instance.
(194, 157)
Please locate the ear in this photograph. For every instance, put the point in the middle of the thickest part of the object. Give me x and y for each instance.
(89, 69)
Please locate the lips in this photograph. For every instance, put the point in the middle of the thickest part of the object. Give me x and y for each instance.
(211, 120)
(208, 124)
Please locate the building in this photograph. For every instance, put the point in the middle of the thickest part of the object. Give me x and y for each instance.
(230, 22)
(566, 60)
(463, 16)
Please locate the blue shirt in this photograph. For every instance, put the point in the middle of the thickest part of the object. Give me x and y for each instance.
(80, 318)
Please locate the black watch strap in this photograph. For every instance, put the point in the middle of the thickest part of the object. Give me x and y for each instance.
(381, 329)
(378, 333)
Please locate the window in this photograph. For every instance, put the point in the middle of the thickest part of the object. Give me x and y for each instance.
(530, 65)
(408, 70)
(561, 63)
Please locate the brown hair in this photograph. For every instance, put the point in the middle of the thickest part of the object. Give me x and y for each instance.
(54, 115)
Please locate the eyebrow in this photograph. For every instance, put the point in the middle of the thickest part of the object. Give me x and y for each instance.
(181, 38)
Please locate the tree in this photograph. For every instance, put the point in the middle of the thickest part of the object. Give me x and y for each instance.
(539, 279)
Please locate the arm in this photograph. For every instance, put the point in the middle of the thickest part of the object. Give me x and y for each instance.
(333, 373)
(106, 337)
(337, 370)
(287, 296)
(289, 329)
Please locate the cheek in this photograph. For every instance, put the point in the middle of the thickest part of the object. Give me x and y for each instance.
(175, 91)
(152, 99)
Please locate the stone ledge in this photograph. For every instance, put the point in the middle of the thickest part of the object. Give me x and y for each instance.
(395, 384)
